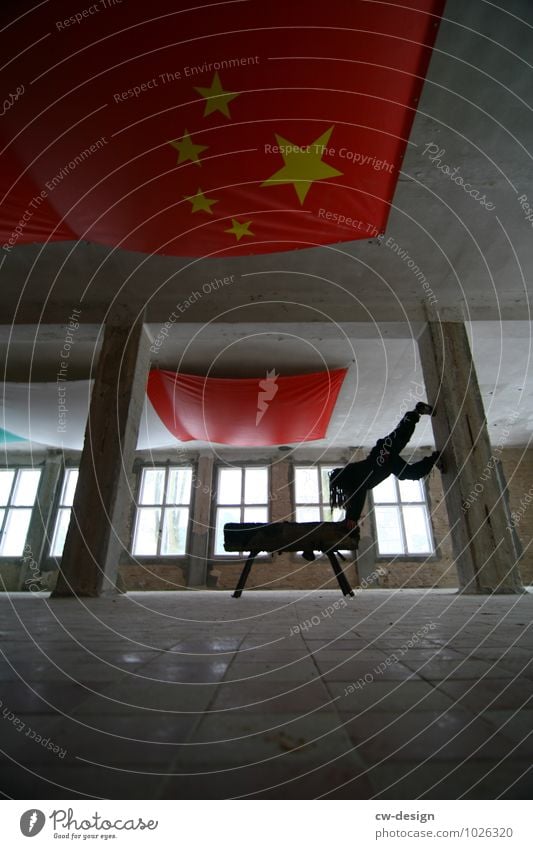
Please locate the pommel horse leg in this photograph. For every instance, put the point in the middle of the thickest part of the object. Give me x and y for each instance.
(339, 574)
(244, 574)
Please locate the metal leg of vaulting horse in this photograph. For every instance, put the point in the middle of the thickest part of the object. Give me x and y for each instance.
(339, 574)
(244, 574)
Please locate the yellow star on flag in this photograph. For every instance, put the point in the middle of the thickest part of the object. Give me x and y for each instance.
(200, 203)
(303, 165)
(240, 229)
(216, 99)
(187, 149)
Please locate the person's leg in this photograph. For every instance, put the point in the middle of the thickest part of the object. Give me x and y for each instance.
(414, 471)
(354, 505)
(396, 441)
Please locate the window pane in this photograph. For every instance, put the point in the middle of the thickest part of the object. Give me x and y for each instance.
(308, 514)
(15, 532)
(416, 530)
(69, 487)
(152, 486)
(174, 539)
(60, 533)
(255, 486)
(324, 476)
(335, 515)
(306, 485)
(385, 491)
(329, 515)
(26, 487)
(224, 515)
(147, 530)
(6, 481)
(179, 486)
(411, 490)
(229, 486)
(389, 532)
(256, 514)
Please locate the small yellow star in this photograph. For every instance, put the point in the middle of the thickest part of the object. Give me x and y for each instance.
(240, 229)
(303, 165)
(187, 149)
(200, 203)
(216, 98)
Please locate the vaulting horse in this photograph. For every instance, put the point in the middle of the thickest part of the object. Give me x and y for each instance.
(327, 537)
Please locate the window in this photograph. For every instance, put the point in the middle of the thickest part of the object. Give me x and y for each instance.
(402, 518)
(18, 491)
(242, 496)
(311, 495)
(66, 499)
(162, 518)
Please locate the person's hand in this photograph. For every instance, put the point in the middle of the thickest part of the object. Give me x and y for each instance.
(350, 524)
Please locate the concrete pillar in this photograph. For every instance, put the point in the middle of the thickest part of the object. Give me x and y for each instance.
(482, 544)
(200, 522)
(40, 529)
(90, 561)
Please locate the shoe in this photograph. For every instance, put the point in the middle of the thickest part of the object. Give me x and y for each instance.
(424, 409)
(308, 555)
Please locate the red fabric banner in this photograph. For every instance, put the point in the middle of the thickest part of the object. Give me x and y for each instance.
(272, 410)
(229, 128)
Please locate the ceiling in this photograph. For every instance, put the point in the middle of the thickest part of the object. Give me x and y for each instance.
(359, 303)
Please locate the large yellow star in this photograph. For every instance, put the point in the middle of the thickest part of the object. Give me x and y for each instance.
(303, 165)
(240, 229)
(200, 203)
(187, 149)
(216, 99)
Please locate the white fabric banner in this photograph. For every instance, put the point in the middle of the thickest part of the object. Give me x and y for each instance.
(55, 415)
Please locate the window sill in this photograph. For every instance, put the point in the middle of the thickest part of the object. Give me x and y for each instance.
(226, 558)
(406, 558)
(135, 559)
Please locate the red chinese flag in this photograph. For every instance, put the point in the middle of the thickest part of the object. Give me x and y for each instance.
(272, 410)
(238, 127)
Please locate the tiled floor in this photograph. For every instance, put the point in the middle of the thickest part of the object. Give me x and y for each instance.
(405, 694)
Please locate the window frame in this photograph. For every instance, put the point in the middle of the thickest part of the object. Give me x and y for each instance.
(322, 504)
(18, 467)
(405, 556)
(237, 555)
(167, 465)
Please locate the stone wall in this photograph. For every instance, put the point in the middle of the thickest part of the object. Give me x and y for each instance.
(160, 577)
(290, 571)
(283, 571)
